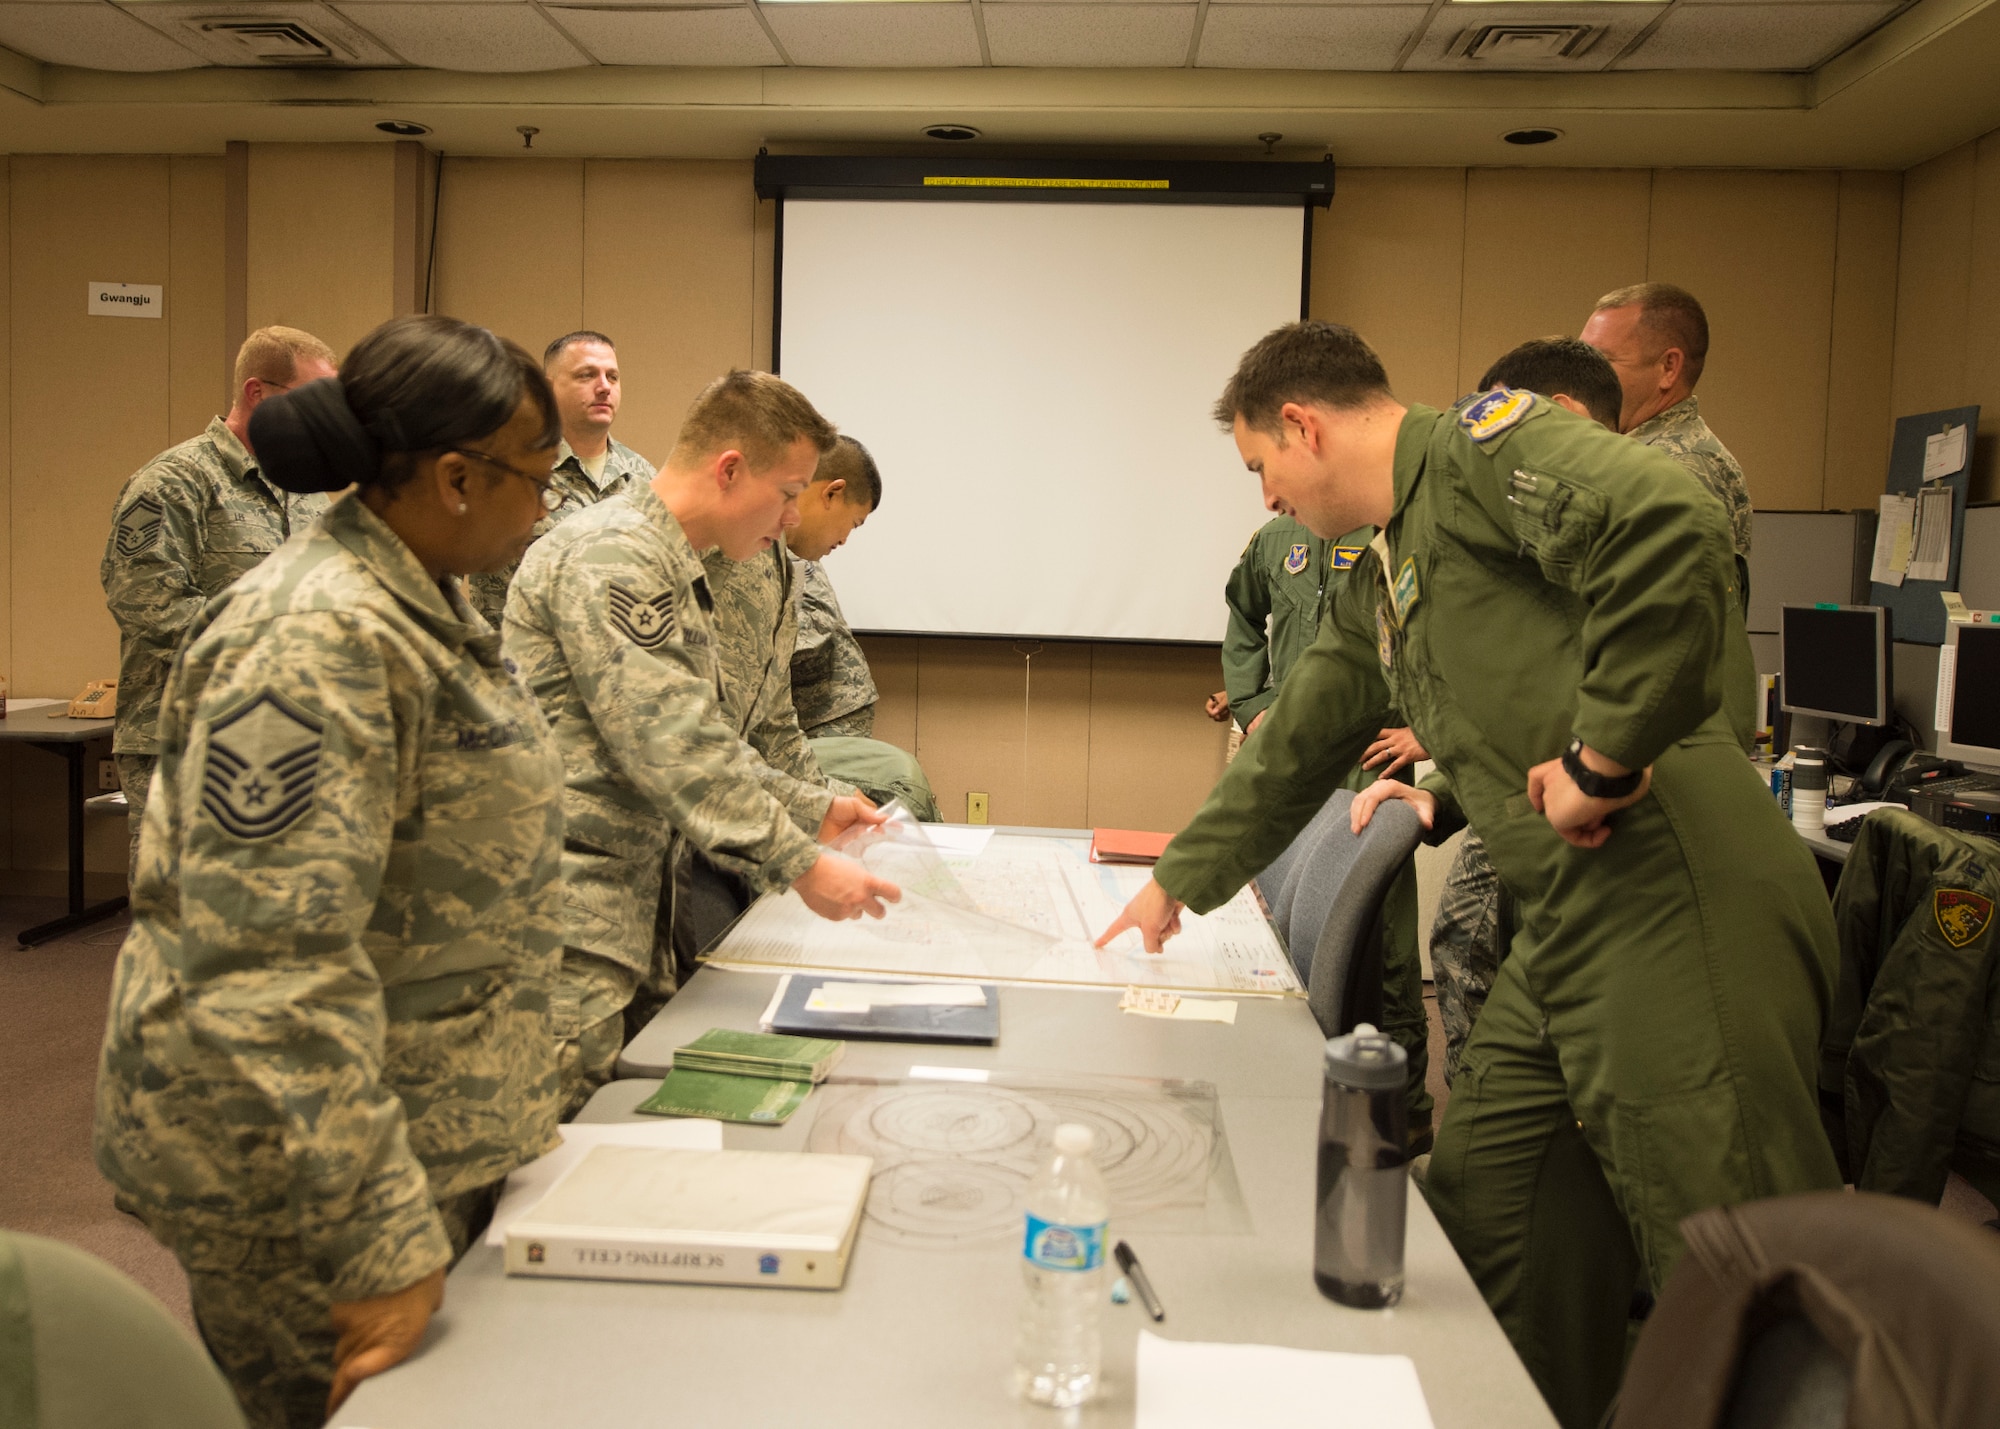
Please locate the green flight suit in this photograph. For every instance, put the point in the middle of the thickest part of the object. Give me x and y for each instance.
(1649, 1047)
(1278, 596)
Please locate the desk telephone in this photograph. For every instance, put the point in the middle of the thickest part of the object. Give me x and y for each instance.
(99, 700)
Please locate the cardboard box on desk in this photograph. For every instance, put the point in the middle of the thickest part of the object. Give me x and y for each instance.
(708, 1217)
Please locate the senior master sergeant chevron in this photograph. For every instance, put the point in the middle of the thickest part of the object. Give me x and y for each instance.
(611, 622)
(1546, 603)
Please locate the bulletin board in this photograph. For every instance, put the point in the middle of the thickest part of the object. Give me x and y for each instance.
(1916, 613)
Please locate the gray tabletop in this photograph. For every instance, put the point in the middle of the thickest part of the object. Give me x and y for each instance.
(922, 1335)
(51, 724)
(1824, 847)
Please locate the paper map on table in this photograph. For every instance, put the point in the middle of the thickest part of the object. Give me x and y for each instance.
(1024, 909)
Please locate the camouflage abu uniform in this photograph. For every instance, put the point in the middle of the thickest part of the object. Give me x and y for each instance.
(831, 683)
(610, 621)
(579, 491)
(328, 1036)
(1475, 912)
(185, 526)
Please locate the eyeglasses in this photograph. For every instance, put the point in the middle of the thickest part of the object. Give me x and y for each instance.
(551, 498)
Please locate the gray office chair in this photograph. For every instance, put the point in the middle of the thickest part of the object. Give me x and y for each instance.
(1330, 886)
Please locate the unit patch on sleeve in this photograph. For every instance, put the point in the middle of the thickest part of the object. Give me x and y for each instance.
(1490, 415)
(647, 621)
(1344, 557)
(1961, 915)
(1296, 558)
(139, 526)
(263, 762)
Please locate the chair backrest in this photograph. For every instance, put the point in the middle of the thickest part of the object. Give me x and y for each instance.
(1829, 1308)
(1334, 915)
(1279, 883)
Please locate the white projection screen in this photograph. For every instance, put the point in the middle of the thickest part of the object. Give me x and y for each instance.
(1035, 382)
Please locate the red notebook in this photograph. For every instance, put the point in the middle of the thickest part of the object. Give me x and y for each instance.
(1126, 846)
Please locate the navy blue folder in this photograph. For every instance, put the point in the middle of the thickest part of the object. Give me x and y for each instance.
(909, 1023)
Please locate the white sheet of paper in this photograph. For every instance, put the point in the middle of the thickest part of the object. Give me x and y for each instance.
(958, 840)
(21, 706)
(861, 996)
(1955, 612)
(1893, 535)
(1947, 685)
(527, 1186)
(1944, 453)
(1931, 558)
(1186, 1384)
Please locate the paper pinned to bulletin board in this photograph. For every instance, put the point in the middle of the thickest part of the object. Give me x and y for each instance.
(1922, 527)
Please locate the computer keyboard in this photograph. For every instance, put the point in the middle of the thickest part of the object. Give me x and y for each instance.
(1960, 784)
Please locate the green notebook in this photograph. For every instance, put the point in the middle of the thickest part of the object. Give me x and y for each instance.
(760, 1054)
(760, 1101)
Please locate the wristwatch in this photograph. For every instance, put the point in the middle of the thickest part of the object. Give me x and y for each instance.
(1597, 786)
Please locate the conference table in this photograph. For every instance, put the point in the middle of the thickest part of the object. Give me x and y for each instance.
(923, 1333)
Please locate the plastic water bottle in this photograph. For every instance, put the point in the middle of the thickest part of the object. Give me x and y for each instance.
(1364, 1186)
(1058, 1356)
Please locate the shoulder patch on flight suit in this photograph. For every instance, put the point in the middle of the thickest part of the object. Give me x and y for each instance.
(1404, 592)
(1961, 915)
(647, 621)
(1385, 640)
(1344, 557)
(263, 761)
(1296, 558)
(139, 526)
(1492, 413)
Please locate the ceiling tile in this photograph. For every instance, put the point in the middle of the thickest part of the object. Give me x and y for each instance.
(680, 37)
(1090, 36)
(1355, 37)
(1452, 25)
(1770, 36)
(90, 36)
(902, 36)
(504, 39)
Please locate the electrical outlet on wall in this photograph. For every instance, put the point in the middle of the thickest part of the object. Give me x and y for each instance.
(975, 808)
(107, 775)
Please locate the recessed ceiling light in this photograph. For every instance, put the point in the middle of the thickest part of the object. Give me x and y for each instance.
(1532, 136)
(403, 128)
(951, 133)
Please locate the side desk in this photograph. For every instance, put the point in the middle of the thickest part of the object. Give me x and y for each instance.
(924, 1334)
(58, 734)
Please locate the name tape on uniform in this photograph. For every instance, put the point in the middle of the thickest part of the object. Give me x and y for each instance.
(127, 300)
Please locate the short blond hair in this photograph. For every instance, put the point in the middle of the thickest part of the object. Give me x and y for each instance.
(1672, 316)
(754, 412)
(273, 354)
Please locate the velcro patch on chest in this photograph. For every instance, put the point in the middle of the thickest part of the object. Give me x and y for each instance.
(647, 621)
(1344, 557)
(1961, 914)
(1296, 558)
(139, 526)
(263, 763)
(1494, 412)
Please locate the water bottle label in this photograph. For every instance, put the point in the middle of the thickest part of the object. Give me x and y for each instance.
(1058, 1247)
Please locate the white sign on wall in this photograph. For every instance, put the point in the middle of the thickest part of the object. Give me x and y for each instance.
(126, 300)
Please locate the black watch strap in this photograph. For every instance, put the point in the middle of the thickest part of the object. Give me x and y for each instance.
(1597, 786)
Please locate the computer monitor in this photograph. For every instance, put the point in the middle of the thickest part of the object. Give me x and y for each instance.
(1968, 707)
(1835, 661)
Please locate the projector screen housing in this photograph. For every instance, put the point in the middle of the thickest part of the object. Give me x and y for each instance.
(1035, 381)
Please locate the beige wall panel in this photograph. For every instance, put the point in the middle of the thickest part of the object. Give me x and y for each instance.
(1859, 424)
(197, 383)
(75, 220)
(1982, 352)
(893, 661)
(1387, 257)
(1154, 752)
(763, 283)
(1758, 250)
(667, 259)
(982, 726)
(1933, 283)
(322, 231)
(510, 247)
(6, 437)
(1541, 246)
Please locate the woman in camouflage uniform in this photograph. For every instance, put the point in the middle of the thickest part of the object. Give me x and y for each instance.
(328, 1040)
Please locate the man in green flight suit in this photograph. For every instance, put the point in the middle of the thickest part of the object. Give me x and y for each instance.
(1546, 602)
(1278, 598)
